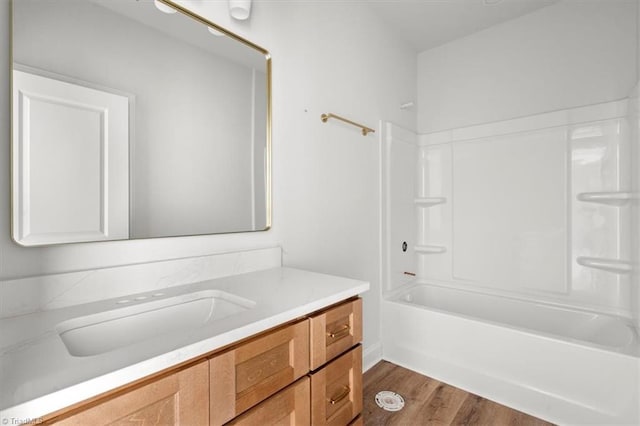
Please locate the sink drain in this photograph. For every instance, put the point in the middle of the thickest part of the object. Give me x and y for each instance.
(389, 401)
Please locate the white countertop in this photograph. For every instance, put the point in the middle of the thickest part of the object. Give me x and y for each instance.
(38, 375)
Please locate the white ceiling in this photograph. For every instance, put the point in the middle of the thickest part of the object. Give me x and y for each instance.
(425, 24)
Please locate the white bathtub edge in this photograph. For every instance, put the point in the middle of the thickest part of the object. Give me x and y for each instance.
(449, 351)
(497, 390)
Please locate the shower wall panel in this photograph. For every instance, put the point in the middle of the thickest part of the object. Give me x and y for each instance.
(538, 207)
(401, 183)
(600, 211)
(509, 215)
(633, 119)
(434, 218)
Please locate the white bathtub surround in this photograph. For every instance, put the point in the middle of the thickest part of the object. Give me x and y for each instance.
(633, 117)
(40, 376)
(400, 185)
(522, 240)
(536, 207)
(44, 292)
(545, 361)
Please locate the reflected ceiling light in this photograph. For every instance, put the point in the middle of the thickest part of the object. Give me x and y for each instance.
(407, 105)
(215, 32)
(240, 9)
(587, 132)
(163, 7)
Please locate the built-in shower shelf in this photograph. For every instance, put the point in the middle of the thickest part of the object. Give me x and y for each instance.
(612, 265)
(429, 201)
(614, 198)
(430, 249)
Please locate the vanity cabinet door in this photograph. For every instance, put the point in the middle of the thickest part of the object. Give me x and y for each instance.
(336, 390)
(179, 399)
(290, 407)
(251, 372)
(358, 421)
(334, 331)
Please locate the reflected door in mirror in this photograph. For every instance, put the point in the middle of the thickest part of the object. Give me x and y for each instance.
(71, 162)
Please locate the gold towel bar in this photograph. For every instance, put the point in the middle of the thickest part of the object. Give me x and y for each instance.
(365, 130)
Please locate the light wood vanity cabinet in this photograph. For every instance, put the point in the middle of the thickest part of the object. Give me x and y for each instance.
(180, 398)
(335, 373)
(358, 421)
(288, 407)
(334, 331)
(251, 372)
(336, 390)
(305, 373)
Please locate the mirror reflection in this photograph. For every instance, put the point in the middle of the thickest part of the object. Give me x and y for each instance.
(133, 123)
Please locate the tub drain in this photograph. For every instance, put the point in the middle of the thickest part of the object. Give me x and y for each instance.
(389, 401)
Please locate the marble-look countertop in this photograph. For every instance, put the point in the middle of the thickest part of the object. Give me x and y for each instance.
(38, 375)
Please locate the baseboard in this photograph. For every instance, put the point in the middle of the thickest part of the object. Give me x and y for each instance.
(371, 356)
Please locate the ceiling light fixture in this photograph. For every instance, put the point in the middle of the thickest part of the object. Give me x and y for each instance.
(240, 9)
(163, 7)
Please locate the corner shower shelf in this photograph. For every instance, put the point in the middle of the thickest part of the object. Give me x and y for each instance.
(430, 249)
(429, 201)
(615, 198)
(611, 265)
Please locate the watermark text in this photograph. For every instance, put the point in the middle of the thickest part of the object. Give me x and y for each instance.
(10, 421)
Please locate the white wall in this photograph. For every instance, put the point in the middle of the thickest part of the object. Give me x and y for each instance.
(570, 54)
(343, 62)
(327, 57)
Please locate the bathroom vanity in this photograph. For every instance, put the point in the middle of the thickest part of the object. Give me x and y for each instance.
(166, 340)
(291, 352)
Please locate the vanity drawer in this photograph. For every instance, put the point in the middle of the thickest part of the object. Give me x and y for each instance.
(335, 331)
(288, 407)
(336, 390)
(179, 398)
(249, 373)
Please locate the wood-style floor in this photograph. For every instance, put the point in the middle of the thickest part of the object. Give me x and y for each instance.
(430, 402)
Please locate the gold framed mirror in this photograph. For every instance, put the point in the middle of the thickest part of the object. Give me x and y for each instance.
(129, 122)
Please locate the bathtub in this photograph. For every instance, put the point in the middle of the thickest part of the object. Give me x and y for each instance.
(564, 366)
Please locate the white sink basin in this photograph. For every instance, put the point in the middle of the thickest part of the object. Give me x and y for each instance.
(105, 331)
